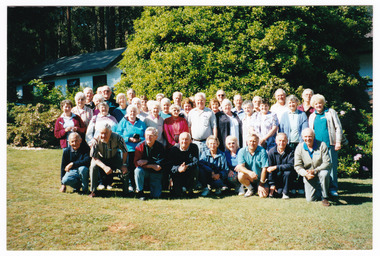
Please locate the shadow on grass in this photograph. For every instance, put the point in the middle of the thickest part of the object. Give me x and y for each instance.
(350, 193)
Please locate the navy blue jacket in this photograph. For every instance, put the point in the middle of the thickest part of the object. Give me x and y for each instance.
(283, 162)
(79, 158)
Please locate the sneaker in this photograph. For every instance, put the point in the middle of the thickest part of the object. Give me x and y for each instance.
(101, 187)
(333, 193)
(241, 190)
(301, 191)
(130, 189)
(109, 187)
(248, 193)
(284, 196)
(205, 191)
(224, 188)
(92, 194)
(218, 191)
(141, 196)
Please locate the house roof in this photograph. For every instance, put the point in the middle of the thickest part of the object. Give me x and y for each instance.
(77, 64)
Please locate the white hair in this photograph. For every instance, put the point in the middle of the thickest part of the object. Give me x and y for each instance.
(79, 95)
(225, 102)
(200, 94)
(153, 103)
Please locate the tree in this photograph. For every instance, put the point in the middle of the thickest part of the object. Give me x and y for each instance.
(254, 51)
(246, 49)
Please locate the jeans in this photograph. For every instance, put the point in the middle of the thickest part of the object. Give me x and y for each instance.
(155, 181)
(334, 169)
(77, 178)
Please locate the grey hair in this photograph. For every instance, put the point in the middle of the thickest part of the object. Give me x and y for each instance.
(152, 129)
(119, 96)
(307, 90)
(292, 98)
(105, 126)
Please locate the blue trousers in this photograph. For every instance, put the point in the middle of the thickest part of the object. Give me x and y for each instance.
(77, 178)
(334, 168)
(155, 181)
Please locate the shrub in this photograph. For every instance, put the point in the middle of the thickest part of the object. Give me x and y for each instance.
(32, 126)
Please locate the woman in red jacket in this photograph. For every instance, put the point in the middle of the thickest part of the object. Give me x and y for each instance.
(68, 122)
(174, 126)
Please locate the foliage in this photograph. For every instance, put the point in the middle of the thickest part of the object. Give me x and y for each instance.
(32, 126)
(245, 49)
(45, 95)
(356, 158)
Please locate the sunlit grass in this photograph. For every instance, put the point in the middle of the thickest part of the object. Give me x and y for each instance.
(41, 218)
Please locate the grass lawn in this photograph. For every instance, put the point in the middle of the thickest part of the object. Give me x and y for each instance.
(39, 217)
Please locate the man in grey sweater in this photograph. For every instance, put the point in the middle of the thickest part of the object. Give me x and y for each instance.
(312, 161)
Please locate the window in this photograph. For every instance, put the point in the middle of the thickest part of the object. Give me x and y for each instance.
(98, 81)
(72, 83)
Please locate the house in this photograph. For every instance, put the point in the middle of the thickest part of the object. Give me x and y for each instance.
(86, 70)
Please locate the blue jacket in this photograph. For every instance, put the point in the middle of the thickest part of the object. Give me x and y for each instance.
(126, 130)
(217, 164)
(285, 123)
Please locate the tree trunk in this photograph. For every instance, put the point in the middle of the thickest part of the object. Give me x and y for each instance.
(101, 29)
(68, 18)
(95, 20)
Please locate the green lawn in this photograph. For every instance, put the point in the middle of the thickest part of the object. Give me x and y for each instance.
(39, 217)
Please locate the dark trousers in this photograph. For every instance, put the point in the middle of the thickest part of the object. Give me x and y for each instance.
(185, 179)
(282, 180)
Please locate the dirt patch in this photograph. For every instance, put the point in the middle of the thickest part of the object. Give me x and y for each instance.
(121, 228)
(149, 238)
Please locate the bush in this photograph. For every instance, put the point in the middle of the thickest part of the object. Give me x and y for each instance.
(356, 158)
(32, 126)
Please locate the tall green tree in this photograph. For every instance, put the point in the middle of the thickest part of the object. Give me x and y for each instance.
(251, 50)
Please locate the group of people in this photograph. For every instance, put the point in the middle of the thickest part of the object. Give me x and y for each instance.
(246, 146)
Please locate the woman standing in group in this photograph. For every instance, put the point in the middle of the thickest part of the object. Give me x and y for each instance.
(165, 105)
(306, 104)
(121, 110)
(174, 126)
(292, 123)
(68, 122)
(327, 127)
(96, 121)
(187, 105)
(228, 123)
(266, 125)
(132, 130)
(81, 110)
(155, 120)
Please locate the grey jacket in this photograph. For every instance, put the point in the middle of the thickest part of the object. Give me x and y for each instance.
(320, 160)
(333, 125)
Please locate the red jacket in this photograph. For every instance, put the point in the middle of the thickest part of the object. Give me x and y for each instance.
(60, 133)
(173, 128)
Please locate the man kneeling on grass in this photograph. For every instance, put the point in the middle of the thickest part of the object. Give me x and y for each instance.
(183, 158)
(149, 156)
(252, 167)
(312, 161)
(106, 158)
(74, 166)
